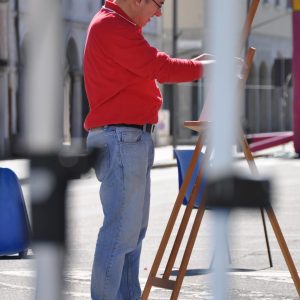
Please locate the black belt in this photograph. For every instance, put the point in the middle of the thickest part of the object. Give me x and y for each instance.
(146, 127)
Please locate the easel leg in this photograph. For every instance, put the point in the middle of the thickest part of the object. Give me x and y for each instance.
(188, 250)
(178, 239)
(186, 217)
(276, 228)
(172, 219)
(266, 236)
(284, 248)
(250, 160)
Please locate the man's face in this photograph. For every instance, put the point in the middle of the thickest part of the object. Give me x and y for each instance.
(149, 9)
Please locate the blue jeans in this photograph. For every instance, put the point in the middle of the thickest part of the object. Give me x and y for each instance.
(123, 167)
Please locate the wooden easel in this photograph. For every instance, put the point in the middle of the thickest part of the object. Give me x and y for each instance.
(201, 127)
(175, 285)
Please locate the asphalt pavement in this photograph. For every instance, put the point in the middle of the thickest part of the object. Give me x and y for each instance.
(249, 273)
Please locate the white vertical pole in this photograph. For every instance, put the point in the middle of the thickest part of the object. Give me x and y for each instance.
(225, 27)
(43, 129)
(44, 97)
(49, 275)
(224, 24)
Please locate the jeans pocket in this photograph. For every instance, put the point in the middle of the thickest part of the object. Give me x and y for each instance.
(103, 162)
(129, 137)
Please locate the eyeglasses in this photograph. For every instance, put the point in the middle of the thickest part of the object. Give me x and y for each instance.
(159, 5)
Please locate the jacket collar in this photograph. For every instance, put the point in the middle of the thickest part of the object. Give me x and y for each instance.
(118, 10)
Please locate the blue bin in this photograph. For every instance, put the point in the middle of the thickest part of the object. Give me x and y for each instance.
(14, 222)
(183, 158)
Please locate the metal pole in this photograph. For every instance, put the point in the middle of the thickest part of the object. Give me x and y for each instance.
(174, 90)
(296, 73)
(18, 49)
(42, 142)
(224, 23)
(44, 98)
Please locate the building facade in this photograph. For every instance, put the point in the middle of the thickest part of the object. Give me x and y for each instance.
(14, 36)
(268, 102)
(267, 105)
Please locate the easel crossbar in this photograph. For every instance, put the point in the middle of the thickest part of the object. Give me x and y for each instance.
(163, 283)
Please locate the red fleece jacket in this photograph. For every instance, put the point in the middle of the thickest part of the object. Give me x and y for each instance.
(121, 69)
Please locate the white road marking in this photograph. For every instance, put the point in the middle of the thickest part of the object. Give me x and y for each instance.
(71, 276)
(83, 277)
(23, 273)
(14, 286)
(276, 276)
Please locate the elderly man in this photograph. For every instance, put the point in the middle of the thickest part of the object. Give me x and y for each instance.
(121, 70)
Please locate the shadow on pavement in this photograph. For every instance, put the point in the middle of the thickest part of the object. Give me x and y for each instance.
(196, 272)
(14, 257)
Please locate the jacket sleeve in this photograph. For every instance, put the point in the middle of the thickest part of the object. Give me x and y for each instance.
(128, 48)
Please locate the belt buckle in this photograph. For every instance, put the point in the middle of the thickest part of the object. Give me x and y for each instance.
(148, 128)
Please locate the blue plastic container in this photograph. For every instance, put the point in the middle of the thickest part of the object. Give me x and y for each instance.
(183, 160)
(14, 223)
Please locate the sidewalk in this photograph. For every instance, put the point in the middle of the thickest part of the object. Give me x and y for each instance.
(163, 158)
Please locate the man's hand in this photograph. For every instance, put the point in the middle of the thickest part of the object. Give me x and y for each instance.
(207, 60)
(204, 56)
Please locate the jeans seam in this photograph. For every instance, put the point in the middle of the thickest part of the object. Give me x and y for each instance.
(130, 292)
(118, 231)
